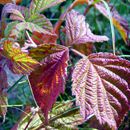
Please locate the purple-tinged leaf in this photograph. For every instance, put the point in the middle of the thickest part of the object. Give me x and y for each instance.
(78, 31)
(101, 84)
(19, 11)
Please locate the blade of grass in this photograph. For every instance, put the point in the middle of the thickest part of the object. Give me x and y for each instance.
(15, 84)
(111, 24)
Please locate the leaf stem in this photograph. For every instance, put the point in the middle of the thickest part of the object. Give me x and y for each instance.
(63, 114)
(128, 56)
(87, 9)
(14, 85)
(78, 53)
(32, 93)
(62, 17)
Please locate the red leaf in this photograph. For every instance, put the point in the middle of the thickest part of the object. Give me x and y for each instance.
(40, 38)
(78, 31)
(50, 77)
(101, 84)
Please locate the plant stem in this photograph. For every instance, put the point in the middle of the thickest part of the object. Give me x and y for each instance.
(111, 24)
(128, 56)
(87, 9)
(63, 114)
(12, 87)
(62, 17)
(78, 53)
(32, 93)
(31, 118)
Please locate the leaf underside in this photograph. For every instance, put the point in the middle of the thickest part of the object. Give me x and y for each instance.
(101, 84)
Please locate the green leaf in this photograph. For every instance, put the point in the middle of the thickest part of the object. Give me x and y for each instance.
(9, 28)
(41, 21)
(37, 6)
(15, 32)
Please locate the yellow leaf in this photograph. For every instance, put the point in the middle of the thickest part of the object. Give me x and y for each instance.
(19, 62)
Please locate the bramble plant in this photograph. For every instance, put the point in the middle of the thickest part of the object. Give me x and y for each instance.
(32, 47)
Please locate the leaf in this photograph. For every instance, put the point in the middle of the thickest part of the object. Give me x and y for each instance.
(3, 96)
(15, 33)
(66, 116)
(18, 61)
(101, 84)
(41, 21)
(9, 28)
(18, 13)
(119, 22)
(31, 119)
(40, 38)
(50, 77)
(37, 6)
(44, 50)
(84, 48)
(78, 31)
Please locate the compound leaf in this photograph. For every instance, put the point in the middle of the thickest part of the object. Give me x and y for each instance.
(101, 84)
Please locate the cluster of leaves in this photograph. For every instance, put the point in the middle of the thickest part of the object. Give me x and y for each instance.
(101, 81)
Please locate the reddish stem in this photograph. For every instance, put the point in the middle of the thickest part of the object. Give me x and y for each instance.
(62, 17)
(87, 9)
